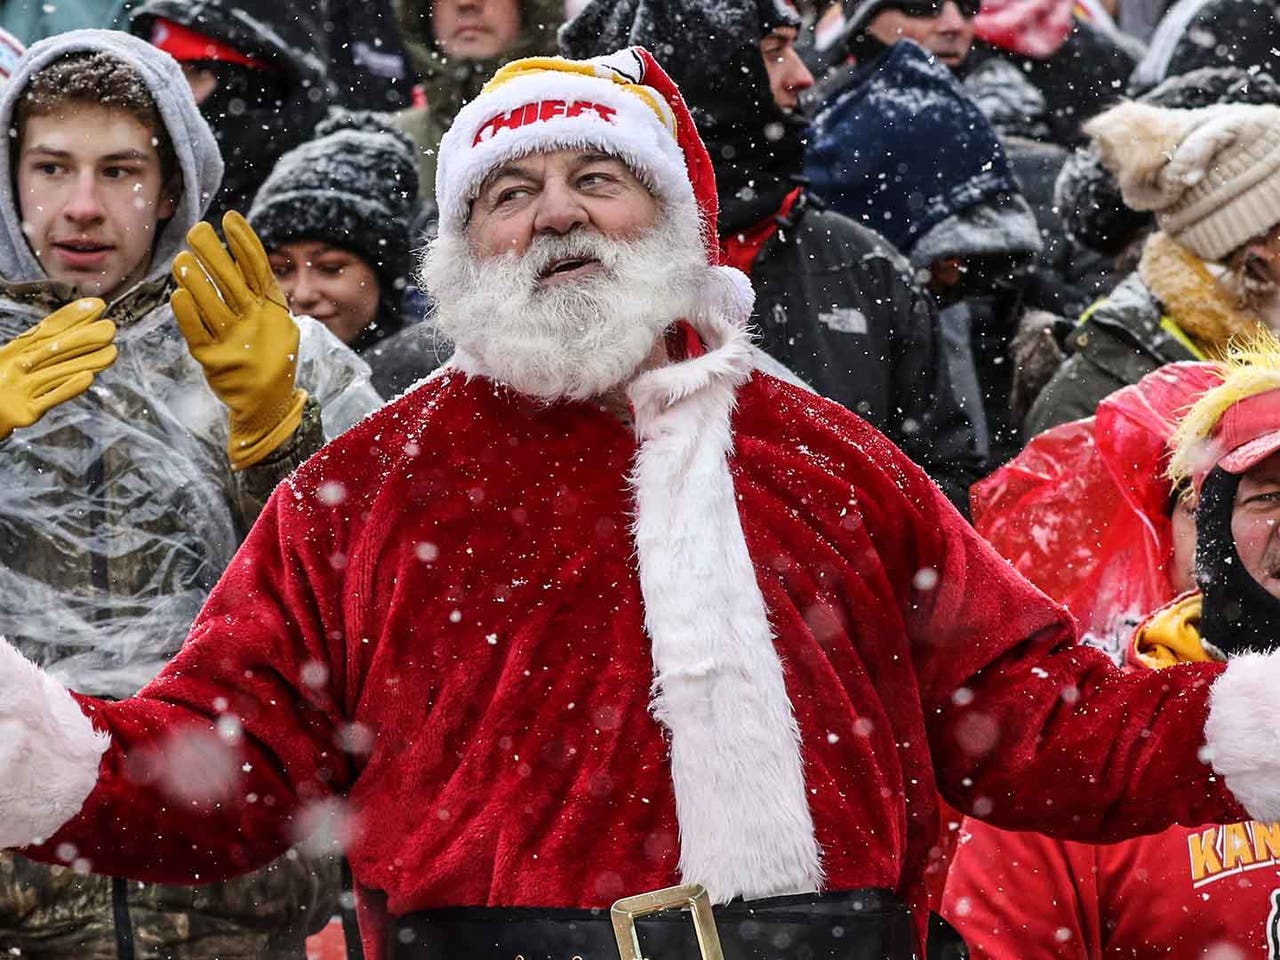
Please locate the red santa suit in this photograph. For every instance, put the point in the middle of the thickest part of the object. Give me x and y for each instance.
(549, 659)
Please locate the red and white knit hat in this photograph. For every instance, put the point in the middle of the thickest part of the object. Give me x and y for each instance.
(623, 104)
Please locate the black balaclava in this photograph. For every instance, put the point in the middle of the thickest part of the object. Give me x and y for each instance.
(1238, 614)
(756, 148)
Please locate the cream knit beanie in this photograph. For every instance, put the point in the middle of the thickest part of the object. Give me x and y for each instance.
(1211, 176)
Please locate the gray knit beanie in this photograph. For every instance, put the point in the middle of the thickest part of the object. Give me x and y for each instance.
(355, 187)
(1211, 176)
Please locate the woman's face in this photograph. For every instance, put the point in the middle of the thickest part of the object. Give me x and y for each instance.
(329, 284)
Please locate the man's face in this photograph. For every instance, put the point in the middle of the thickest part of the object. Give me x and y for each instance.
(948, 34)
(475, 29)
(1255, 523)
(328, 284)
(1182, 553)
(566, 276)
(788, 76)
(554, 194)
(90, 194)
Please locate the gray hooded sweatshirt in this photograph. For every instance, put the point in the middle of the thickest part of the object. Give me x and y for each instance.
(119, 508)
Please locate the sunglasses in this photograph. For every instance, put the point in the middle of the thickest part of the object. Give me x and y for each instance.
(933, 8)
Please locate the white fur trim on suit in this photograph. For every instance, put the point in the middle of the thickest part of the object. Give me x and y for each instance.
(745, 824)
(1243, 732)
(633, 134)
(49, 752)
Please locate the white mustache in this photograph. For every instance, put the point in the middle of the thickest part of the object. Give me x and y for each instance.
(544, 251)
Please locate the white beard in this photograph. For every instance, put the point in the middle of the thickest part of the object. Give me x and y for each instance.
(572, 340)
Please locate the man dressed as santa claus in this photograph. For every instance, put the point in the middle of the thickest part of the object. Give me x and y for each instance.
(602, 609)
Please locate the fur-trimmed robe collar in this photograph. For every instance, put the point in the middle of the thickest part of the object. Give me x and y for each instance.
(718, 686)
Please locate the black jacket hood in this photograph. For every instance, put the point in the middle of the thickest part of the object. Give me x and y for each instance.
(711, 48)
(256, 115)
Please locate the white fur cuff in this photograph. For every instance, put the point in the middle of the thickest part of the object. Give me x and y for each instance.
(49, 752)
(1243, 732)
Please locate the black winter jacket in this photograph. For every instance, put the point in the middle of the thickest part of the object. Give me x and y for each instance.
(838, 306)
(367, 61)
(256, 115)
(1082, 78)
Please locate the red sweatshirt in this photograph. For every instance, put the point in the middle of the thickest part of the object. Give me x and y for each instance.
(1211, 891)
(439, 618)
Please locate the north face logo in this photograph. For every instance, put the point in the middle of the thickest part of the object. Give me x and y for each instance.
(538, 112)
(844, 319)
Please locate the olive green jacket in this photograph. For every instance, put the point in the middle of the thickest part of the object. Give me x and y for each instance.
(1172, 308)
(1117, 343)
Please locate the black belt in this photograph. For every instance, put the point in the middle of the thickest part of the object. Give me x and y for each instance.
(867, 924)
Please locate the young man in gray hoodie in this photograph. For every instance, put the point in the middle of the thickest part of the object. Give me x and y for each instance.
(134, 454)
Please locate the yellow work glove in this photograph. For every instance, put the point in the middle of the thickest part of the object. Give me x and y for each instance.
(53, 362)
(238, 327)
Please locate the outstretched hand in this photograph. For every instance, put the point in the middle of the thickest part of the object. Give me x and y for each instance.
(237, 325)
(53, 362)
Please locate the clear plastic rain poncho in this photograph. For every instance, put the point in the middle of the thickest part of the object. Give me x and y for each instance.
(118, 509)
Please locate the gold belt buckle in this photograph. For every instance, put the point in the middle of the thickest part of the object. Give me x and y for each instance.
(689, 896)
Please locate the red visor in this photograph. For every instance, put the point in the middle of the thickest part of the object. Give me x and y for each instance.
(1247, 434)
(186, 45)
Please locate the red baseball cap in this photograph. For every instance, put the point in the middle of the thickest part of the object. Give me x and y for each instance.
(1246, 434)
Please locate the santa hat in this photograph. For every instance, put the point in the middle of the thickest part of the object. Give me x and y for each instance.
(622, 104)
